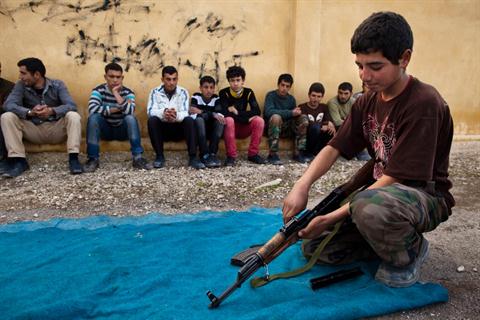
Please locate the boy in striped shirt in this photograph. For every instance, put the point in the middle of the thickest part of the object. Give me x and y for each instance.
(111, 117)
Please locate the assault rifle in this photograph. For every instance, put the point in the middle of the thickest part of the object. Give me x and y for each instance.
(288, 234)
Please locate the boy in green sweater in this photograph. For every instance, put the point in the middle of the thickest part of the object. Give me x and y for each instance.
(285, 119)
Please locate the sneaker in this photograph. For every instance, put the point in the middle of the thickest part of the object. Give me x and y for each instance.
(210, 161)
(141, 163)
(300, 157)
(274, 159)
(75, 166)
(399, 277)
(159, 162)
(308, 156)
(256, 159)
(91, 165)
(206, 160)
(17, 168)
(214, 161)
(229, 161)
(195, 163)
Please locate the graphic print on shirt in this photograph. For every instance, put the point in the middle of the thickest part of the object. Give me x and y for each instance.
(319, 117)
(382, 138)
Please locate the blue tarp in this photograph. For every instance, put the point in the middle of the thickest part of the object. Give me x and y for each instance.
(160, 267)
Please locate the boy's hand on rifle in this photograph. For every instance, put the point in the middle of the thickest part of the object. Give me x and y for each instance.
(315, 228)
(320, 223)
(295, 202)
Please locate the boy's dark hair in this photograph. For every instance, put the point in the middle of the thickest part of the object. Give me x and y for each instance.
(206, 79)
(113, 66)
(33, 65)
(387, 32)
(316, 87)
(345, 86)
(235, 71)
(285, 77)
(168, 70)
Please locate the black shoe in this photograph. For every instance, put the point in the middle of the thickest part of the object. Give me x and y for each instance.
(274, 159)
(214, 161)
(256, 159)
(230, 162)
(159, 162)
(4, 166)
(211, 161)
(195, 163)
(75, 166)
(141, 163)
(17, 168)
(91, 165)
(308, 156)
(300, 158)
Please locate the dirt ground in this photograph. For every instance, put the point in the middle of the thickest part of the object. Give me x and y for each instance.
(47, 191)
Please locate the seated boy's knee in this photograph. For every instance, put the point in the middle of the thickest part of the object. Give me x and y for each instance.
(303, 120)
(130, 119)
(229, 122)
(188, 121)
(94, 118)
(257, 120)
(73, 116)
(275, 120)
(9, 116)
(153, 120)
(199, 120)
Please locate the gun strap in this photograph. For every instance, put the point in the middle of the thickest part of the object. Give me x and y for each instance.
(261, 281)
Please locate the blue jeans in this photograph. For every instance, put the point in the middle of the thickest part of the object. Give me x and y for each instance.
(316, 138)
(98, 128)
(363, 155)
(208, 128)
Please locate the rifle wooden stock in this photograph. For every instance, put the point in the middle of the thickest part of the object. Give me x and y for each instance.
(287, 235)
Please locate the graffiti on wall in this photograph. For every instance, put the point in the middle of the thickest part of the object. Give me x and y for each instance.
(67, 12)
(146, 53)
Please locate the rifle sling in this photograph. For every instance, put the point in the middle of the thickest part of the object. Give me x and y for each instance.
(261, 281)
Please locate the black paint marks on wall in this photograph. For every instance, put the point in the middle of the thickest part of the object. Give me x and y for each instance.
(212, 25)
(31, 6)
(83, 47)
(143, 52)
(236, 59)
(71, 12)
(209, 65)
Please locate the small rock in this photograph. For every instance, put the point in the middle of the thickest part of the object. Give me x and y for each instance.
(461, 269)
(475, 270)
(35, 215)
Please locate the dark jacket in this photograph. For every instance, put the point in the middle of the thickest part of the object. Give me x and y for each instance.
(246, 104)
(55, 95)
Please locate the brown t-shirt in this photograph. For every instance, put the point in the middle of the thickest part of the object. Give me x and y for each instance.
(409, 136)
(320, 114)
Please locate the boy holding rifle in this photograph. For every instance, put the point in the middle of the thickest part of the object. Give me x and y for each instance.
(406, 126)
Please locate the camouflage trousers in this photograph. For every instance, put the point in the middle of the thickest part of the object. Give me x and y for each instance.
(387, 223)
(295, 127)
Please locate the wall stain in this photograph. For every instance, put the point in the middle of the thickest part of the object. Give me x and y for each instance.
(212, 24)
(145, 53)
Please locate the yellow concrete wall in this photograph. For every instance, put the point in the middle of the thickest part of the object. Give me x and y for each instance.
(309, 39)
